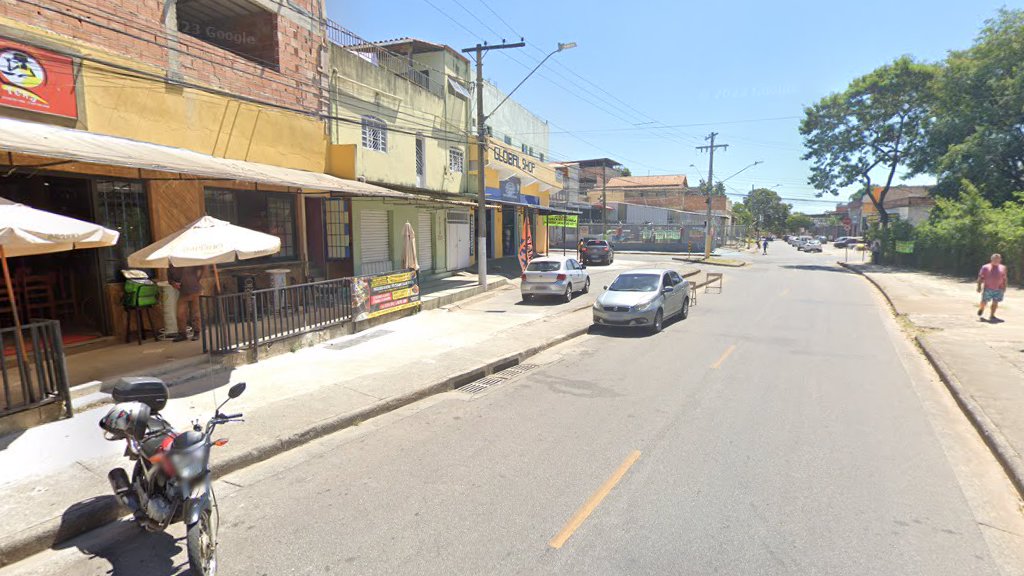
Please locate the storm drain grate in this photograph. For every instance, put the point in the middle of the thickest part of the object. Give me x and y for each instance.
(486, 382)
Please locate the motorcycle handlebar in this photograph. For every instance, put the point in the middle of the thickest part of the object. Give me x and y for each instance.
(231, 416)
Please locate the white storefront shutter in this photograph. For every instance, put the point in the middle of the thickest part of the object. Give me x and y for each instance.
(375, 241)
(425, 241)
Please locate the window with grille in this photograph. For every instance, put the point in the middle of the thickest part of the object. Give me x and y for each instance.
(270, 212)
(456, 160)
(339, 244)
(281, 222)
(122, 206)
(420, 160)
(375, 134)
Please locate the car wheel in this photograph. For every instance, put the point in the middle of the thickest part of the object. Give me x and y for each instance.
(686, 309)
(568, 293)
(659, 319)
(586, 287)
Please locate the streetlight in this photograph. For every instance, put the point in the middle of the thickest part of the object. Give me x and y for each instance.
(481, 140)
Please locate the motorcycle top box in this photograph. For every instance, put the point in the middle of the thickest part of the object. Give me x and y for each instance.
(146, 389)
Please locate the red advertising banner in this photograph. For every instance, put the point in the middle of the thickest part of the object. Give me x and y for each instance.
(38, 80)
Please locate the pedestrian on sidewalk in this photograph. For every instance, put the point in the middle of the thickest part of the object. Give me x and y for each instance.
(581, 249)
(765, 247)
(992, 277)
(187, 280)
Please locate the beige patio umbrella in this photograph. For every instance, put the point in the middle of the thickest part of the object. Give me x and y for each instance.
(203, 242)
(27, 231)
(409, 259)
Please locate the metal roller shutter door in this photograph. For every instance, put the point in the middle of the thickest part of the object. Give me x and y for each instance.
(374, 238)
(425, 241)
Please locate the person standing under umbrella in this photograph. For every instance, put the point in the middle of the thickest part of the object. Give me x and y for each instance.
(187, 280)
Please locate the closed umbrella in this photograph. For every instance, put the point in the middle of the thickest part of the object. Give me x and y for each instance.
(27, 231)
(409, 259)
(203, 242)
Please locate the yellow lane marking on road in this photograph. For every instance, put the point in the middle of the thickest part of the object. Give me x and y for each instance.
(728, 351)
(595, 499)
(784, 292)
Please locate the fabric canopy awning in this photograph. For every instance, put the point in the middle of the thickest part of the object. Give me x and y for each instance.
(553, 210)
(80, 146)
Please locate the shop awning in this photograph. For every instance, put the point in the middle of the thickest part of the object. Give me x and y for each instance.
(553, 210)
(80, 146)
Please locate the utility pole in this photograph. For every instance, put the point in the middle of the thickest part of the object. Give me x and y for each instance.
(604, 202)
(710, 188)
(481, 154)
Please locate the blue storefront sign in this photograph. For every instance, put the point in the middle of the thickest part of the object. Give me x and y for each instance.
(510, 191)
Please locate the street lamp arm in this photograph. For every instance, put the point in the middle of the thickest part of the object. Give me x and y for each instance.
(561, 47)
(743, 170)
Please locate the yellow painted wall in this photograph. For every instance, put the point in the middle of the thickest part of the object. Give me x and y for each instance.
(358, 89)
(150, 110)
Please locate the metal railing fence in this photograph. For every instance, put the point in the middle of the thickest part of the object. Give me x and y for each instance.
(244, 320)
(36, 374)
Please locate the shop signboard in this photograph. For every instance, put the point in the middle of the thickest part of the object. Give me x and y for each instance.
(36, 80)
(904, 246)
(381, 294)
(562, 220)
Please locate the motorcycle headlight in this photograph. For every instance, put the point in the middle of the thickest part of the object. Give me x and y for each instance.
(190, 463)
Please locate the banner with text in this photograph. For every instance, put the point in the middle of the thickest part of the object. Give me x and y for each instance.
(374, 296)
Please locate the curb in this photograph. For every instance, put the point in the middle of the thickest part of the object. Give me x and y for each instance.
(878, 286)
(989, 432)
(1010, 461)
(741, 265)
(96, 512)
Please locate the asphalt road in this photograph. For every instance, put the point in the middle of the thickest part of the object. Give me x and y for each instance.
(784, 428)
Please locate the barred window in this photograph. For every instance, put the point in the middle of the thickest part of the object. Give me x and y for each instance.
(273, 213)
(375, 134)
(122, 206)
(456, 160)
(339, 243)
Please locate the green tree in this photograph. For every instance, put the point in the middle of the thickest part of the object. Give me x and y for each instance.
(626, 171)
(741, 214)
(977, 103)
(767, 210)
(956, 236)
(874, 124)
(718, 190)
(798, 221)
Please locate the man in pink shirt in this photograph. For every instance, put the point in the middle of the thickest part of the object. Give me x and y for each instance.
(993, 277)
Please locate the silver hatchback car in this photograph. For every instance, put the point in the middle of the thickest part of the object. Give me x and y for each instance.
(559, 277)
(643, 299)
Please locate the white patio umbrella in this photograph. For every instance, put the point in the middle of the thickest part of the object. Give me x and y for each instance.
(27, 231)
(409, 259)
(206, 241)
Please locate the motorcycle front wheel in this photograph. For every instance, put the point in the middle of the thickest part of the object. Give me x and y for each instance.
(202, 545)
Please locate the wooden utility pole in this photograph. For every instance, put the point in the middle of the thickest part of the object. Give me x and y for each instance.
(481, 155)
(710, 188)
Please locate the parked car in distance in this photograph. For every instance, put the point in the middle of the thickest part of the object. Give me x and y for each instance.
(551, 276)
(643, 299)
(599, 251)
(822, 239)
(848, 242)
(810, 246)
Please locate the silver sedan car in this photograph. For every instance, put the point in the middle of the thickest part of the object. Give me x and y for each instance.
(550, 276)
(643, 299)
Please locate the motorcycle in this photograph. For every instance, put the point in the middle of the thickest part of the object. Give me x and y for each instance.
(171, 480)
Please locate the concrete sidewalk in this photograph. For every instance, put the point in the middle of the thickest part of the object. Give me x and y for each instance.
(53, 477)
(982, 363)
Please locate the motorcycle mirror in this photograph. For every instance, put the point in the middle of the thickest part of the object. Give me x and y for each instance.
(236, 390)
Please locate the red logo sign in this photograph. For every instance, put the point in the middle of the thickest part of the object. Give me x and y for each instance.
(38, 80)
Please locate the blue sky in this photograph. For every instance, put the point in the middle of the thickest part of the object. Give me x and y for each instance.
(744, 69)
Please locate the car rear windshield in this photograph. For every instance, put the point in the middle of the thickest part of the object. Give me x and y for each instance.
(543, 266)
(597, 243)
(636, 283)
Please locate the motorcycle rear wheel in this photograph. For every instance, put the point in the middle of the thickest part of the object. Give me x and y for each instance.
(202, 545)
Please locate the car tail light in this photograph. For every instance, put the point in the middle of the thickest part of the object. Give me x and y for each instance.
(561, 277)
(523, 277)
(605, 248)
